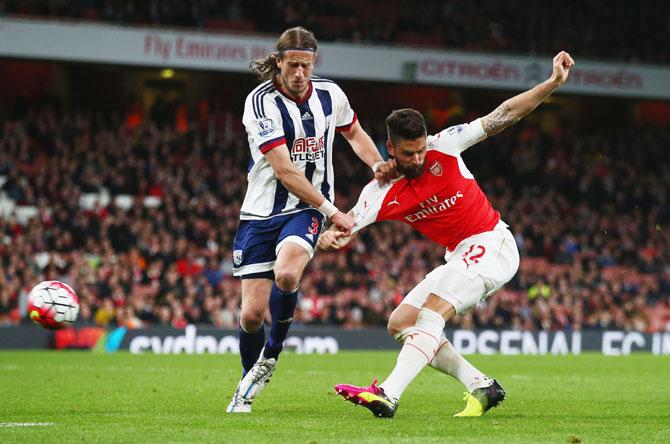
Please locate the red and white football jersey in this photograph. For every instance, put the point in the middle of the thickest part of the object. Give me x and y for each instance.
(445, 202)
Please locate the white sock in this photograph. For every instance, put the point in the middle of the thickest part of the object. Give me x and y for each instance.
(418, 350)
(449, 361)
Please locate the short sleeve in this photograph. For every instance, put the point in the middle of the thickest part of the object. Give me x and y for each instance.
(345, 117)
(263, 122)
(458, 138)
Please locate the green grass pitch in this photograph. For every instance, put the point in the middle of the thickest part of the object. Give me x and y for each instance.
(120, 398)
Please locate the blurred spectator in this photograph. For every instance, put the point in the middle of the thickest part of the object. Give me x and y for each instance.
(618, 30)
(589, 212)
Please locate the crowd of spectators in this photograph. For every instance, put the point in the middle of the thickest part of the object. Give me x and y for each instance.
(589, 211)
(615, 30)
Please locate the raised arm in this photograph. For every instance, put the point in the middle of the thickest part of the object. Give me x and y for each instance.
(514, 109)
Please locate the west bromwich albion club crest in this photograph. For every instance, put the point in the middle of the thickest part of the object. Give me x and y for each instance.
(237, 257)
(264, 127)
(436, 168)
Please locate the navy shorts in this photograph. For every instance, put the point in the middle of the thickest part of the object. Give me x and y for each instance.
(258, 241)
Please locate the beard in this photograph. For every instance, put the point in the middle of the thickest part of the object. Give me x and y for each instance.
(297, 90)
(292, 88)
(410, 171)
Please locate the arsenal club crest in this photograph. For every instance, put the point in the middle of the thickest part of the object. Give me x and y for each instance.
(436, 168)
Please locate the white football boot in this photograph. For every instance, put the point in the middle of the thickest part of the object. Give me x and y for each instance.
(252, 384)
(239, 404)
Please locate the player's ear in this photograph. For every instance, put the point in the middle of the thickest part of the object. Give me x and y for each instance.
(390, 148)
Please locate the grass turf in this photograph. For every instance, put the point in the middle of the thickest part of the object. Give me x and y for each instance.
(182, 398)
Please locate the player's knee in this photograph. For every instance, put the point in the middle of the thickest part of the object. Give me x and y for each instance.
(400, 332)
(440, 306)
(287, 279)
(394, 327)
(401, 319)
(251, 320)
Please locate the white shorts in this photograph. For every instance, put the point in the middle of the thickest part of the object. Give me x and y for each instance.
(478, 267)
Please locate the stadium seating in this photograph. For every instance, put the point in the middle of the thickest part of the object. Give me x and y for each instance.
(532, 27)
(117, 212)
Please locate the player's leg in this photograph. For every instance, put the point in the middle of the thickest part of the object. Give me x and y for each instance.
(417, 351)
(253, 261)
(288, 268)
(479, 267)
(460, 284)
(251, 334)
(294, 248)
(294, 251)
(447, 360)
(291, 262)
(254, 258)
(420, 345)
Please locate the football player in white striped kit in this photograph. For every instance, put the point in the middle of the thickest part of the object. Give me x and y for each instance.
(291, 119)
(437, 195)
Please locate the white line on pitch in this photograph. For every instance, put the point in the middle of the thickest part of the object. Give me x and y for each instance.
(25, 424)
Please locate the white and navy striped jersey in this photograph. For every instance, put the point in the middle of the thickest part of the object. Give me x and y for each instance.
(307, 128)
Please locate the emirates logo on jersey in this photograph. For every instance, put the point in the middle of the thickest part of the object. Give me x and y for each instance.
(436, 169)
(432, 206)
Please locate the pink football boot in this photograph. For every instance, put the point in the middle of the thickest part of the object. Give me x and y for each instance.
(372, 398)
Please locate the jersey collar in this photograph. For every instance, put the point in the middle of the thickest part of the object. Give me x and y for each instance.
(285, 94)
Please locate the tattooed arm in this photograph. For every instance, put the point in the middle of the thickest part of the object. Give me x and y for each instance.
(515, 108)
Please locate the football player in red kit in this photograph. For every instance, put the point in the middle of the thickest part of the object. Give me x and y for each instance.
(437, 195)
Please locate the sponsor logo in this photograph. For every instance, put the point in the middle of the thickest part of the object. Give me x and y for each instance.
(436, 169)
(306, 116)
(237, 257)
(192, 342)
(514, 342)
(393, 202)
(505, 342)
(264, 127)
(114, 339)
(432, 206)
(78, 338)
(622, 343)
(307, 149)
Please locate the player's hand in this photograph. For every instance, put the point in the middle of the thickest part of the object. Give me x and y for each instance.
(343, 222)
(562, 64)
(332, 240)
(386, 171)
